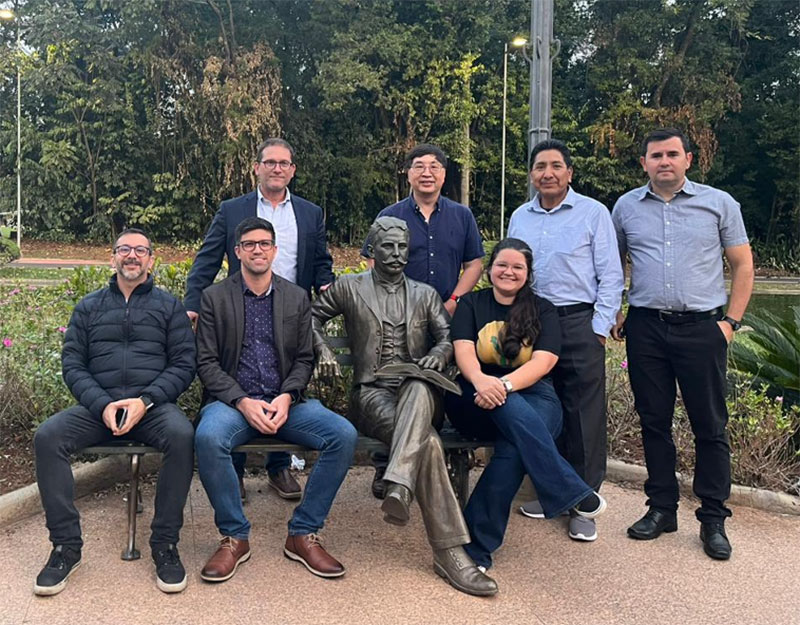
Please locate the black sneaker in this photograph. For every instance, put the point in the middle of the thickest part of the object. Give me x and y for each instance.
(53, 577)
(170, 574)
(590, 506)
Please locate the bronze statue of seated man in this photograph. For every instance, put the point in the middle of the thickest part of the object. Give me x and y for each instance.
(392, 320)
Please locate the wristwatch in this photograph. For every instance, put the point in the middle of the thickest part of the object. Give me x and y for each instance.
(148, 403)
(734, 324)
(507, 384)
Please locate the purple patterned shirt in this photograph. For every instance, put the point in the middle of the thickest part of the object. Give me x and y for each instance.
(258, 372)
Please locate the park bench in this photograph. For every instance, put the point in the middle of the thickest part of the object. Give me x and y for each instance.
(460, 454)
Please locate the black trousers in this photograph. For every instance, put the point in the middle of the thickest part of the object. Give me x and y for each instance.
(579, 378)
(694, 354)
(164, 427)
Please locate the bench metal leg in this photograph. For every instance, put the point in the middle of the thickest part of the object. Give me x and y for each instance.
(131, 552)
(459, 462)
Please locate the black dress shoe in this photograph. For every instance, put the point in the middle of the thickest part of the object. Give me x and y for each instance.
(378, 483)
(715, 541)
(652, 524)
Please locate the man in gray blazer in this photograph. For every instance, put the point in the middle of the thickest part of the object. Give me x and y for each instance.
(255, 358)
(391, 319)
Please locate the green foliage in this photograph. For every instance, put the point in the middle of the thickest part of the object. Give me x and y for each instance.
(763, 433)
(8, 250)
(148, 113)
(770, 353)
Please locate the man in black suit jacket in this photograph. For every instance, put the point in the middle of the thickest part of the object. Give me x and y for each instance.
(255, 358)
(303, 259)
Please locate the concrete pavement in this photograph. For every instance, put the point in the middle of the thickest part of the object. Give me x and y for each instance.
(544, 577)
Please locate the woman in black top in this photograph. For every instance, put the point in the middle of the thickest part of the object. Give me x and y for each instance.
(506, 342)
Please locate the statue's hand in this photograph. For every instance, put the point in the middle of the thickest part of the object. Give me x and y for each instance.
(327, 369)
(433, 361)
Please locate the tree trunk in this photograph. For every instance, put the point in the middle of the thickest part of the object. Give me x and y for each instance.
(466, 166)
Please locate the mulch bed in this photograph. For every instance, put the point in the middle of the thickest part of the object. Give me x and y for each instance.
(342, 256)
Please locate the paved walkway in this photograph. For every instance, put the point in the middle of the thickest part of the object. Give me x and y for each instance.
(544, 577)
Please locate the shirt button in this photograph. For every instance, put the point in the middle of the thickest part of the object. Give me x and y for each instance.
(668, 243)
(667, 223)
(431, 273)
(669, 286)
(544, 232)
(430, 237)
(431, 253)
(669, 264)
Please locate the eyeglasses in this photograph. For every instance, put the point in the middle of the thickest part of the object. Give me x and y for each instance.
(249, 246)
(139, 250)
(434, 168)
(270, 164)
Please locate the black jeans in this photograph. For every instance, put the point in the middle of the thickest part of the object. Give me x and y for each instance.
(579, 378)
(164, 427)
(695, 354)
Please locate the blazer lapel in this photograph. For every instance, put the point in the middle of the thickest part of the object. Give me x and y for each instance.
(366, 290)
(237, 301)
(278, 302)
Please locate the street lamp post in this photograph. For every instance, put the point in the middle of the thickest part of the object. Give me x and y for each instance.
(517, 42)
(7, 14)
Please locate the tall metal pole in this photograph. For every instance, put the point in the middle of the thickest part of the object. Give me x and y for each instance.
(19, 138)
(503, 143)
(541, 75)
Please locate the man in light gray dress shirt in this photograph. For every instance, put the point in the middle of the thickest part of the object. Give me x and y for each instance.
(577, 268)
(676, 232)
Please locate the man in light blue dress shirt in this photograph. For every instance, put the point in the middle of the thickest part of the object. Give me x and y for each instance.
(577, 268)
(676, 232)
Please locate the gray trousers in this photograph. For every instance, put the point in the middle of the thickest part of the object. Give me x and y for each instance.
(407, 416)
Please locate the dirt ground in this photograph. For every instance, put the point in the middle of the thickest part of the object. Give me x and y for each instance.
(342, 256)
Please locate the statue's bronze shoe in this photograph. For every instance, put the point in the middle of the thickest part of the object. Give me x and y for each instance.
(461, 572)
(396, 504)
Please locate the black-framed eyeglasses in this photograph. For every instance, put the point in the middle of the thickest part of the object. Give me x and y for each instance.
(139, 250)
(249, 246)
(270, 164)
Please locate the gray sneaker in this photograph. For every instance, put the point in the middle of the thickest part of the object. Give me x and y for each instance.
(533, 509)
(581, 528)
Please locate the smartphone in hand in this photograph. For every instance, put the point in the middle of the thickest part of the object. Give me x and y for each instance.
(122, 417)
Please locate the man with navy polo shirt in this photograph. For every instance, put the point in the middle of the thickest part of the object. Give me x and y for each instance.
(676, 233)
(303, 258)
(577, 268)
(445, 249)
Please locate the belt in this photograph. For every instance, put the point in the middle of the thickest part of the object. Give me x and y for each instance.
(678, 317)
(573, 308)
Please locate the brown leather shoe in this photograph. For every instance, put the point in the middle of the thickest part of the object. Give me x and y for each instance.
(308, 550)
(223, 564)
(284, 484)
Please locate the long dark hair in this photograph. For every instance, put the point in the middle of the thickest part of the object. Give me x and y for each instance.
(522, 326)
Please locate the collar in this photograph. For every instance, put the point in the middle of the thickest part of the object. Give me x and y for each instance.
(144, 287)
(286, 200)
(385, 284)
(246, 289)
(437, 207)
(568, 202)
(688, 188)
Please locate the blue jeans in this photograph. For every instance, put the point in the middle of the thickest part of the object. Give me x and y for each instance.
(524, 429)
(309, 424)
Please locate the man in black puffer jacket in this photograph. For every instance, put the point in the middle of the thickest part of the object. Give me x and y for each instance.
(128, 353)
